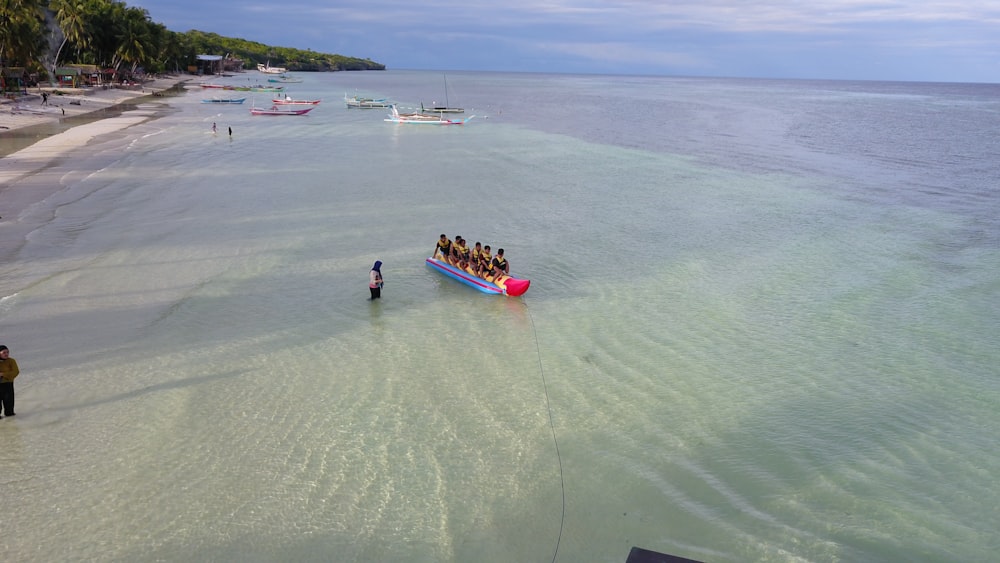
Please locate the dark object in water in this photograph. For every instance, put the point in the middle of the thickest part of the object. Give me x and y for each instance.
(74, 102)
(640, 555)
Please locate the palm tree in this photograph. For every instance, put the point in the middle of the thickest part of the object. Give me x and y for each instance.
(71, 16)
(133, 38)
(21, 26)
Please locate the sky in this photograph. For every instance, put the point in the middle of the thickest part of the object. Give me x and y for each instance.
(907, 40)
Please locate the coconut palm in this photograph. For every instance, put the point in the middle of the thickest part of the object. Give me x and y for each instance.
(21, 30)
(133, 38)
(71, 16)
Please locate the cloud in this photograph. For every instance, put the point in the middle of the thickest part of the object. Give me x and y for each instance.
(720, 16)
(615, 53)
(735, 37)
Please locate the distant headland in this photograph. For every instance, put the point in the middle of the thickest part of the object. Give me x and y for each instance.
(240, 54)
(65, 43)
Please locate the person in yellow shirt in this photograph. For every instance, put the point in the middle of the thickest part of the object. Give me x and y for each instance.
(460, 253)
(474, 257)
(500, 264)
(8, 371)
(443, 246)
(485, 262)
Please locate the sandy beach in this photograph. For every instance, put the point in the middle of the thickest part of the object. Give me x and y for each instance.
(24, 153)
(33, 135)
(62, 103)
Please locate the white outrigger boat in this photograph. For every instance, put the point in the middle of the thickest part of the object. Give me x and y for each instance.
(423, 118)
(366, 103)
(289, 101)
(268, 69)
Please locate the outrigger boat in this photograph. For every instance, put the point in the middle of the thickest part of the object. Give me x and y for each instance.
(366, 103)
(275, 110)
(288, 101)
(224, 101)
(446, 108)
(423, 118)
(440, 109)
(502, 285)
(258, 88)
(268, 69)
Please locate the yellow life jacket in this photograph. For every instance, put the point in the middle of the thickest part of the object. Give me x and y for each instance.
(444, 247)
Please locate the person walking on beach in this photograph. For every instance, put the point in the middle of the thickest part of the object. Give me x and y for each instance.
(375, 280)
(45, 98)
(8, 371)
(213, 128)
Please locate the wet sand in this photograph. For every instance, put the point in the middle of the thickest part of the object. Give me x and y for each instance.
(28, 119)
(35, 137)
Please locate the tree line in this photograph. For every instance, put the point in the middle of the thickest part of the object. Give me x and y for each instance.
(40, 35)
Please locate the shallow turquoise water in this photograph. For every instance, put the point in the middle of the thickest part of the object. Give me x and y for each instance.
(762, 319)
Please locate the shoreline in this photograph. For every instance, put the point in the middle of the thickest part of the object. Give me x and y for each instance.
(28, 119)
(33, 136)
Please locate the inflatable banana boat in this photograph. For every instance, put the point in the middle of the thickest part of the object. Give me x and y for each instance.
(502, 285)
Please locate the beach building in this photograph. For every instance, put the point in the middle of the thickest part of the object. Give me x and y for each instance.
(215, 64)
(68, 77)
(13, 80)
(81, 75)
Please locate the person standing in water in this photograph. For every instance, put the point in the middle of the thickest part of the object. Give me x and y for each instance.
(8, 371)
(375, 280)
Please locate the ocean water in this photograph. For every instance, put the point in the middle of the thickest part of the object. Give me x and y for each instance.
(761, 327)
